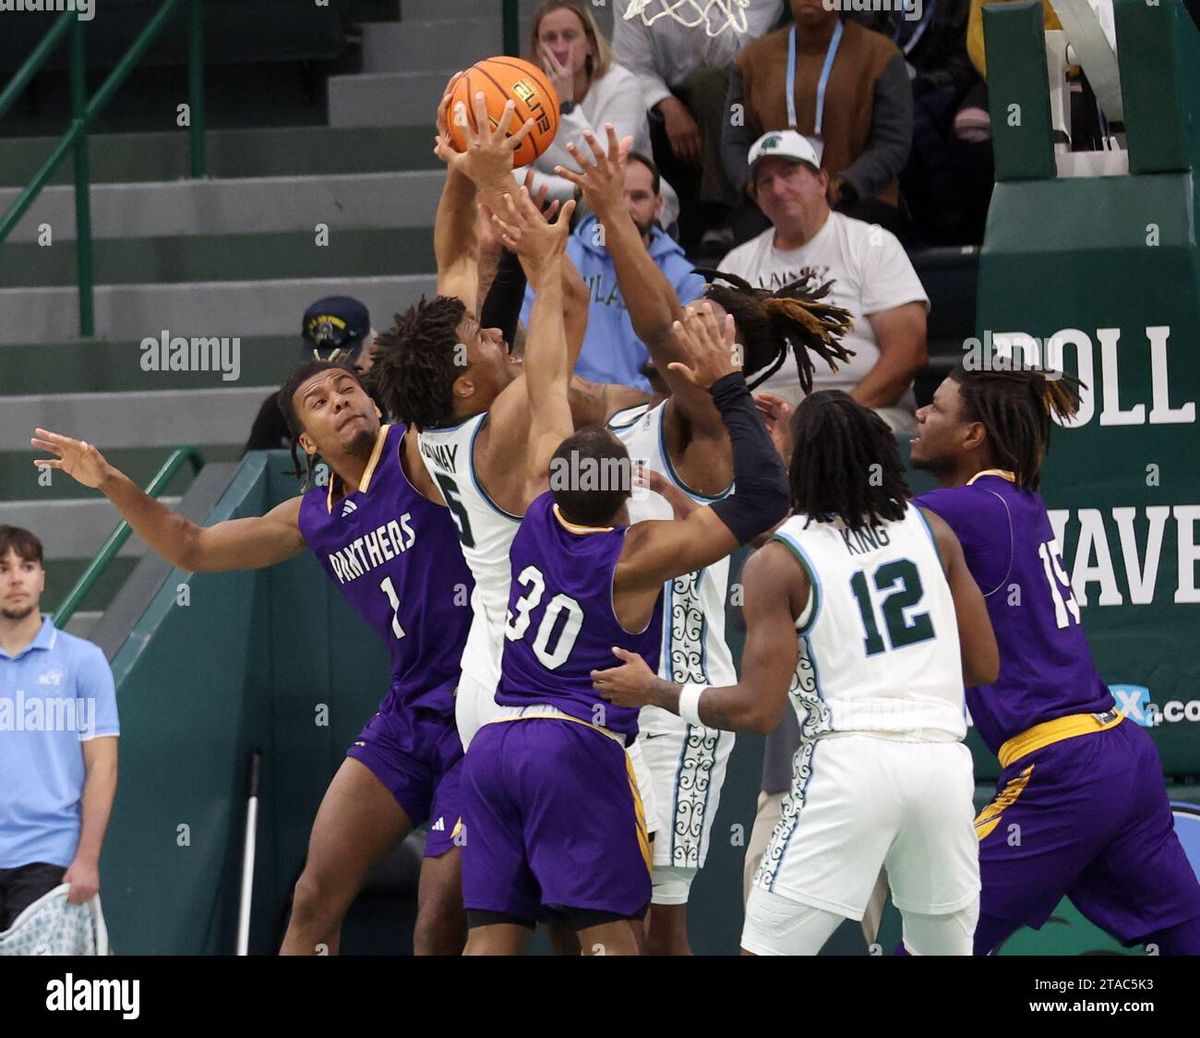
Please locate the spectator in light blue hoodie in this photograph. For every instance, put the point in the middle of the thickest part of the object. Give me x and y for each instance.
(611, 351)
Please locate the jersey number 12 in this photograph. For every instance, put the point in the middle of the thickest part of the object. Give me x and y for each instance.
(902, 576)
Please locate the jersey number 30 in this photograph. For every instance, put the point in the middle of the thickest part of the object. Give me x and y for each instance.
(551, 658)
(902, 584)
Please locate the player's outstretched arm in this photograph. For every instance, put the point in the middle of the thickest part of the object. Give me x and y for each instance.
(658, 551)
(547, 369)
(649, 295)
(776, 589)
(483, 166)
(977, 640)
(250, 543)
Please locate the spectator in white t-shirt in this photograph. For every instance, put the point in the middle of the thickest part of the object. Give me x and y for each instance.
(593, 89)
(871, 274)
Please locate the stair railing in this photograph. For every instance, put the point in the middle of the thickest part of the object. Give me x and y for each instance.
(180, 456)
(84, 112)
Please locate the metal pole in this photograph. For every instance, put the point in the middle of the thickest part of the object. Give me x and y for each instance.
(196, 87)
(35, 61)
(83, 209)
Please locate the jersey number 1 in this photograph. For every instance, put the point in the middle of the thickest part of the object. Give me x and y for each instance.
(389, 589)
(901, 575)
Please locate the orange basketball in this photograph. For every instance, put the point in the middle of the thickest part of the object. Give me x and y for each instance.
(501, 79)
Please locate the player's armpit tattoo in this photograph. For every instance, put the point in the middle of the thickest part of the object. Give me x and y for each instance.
(588, 399)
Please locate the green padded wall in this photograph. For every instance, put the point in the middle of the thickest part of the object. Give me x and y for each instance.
(272, 660)
(1110, 266)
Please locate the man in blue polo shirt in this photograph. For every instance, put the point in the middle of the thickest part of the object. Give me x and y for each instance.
(58, 742)
(612, 352)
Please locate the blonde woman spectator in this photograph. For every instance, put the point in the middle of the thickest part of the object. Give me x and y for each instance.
(592, 90)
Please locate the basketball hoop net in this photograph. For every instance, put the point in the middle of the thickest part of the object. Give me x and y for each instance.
(730, 14)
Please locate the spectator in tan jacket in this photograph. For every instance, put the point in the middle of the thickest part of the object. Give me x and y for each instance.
(857, 111)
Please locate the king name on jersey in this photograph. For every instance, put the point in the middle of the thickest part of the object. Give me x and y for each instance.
(865, 540)
(372, 549)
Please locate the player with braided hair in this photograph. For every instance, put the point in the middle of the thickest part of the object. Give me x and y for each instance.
(1081, 785)
(683, 439)
(793, 319)
(861, 613)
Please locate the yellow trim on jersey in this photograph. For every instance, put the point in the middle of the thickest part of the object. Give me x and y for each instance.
(575, 528)
(365, 483)
(555, 715)
(990, 816)
(639, 812)
(368, 472)
(1042, 735)
(1002, 473)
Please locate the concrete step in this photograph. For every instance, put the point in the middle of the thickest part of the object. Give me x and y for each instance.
(20, 479)
(387, 98)
(75, 529)
(115, 366)
(425, 44)
(213, 308)
(243, 257)
(61, 574)
(235, 205)
(373, 10)
(84, 622)
(163, 420)
(416, 10)
(263, 152)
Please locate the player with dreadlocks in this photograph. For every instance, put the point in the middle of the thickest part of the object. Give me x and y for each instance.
(393, 554)
(1083, 785)
(861, 610)
(684, 439)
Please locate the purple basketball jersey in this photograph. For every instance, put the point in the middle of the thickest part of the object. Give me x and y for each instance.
(394, 555)
(1046, 667)
(561, 624)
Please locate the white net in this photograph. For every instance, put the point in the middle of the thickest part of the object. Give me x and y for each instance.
(715, 15)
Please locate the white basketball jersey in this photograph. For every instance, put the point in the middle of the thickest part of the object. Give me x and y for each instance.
(879, 648)
(485, 532)
(694, 647)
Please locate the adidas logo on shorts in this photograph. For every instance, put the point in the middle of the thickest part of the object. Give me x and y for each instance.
(439, 826)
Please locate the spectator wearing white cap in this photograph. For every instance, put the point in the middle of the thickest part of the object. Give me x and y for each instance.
(844, 87)
(871, 275)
